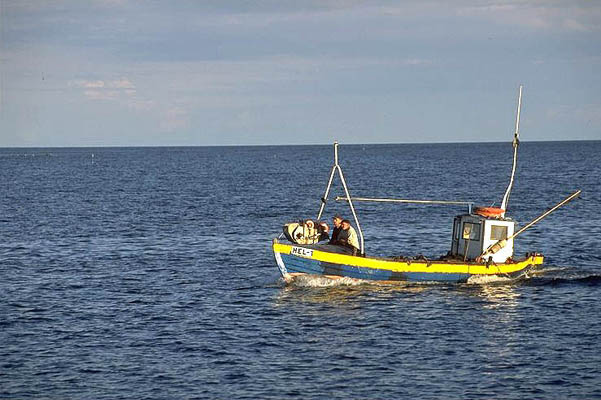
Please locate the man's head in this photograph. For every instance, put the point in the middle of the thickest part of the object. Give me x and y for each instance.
(337, 220)
(346, 224)
(323, 227)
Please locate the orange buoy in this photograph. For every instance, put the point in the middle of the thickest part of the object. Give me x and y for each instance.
(489, 211)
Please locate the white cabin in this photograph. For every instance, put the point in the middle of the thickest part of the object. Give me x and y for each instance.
(473, 234)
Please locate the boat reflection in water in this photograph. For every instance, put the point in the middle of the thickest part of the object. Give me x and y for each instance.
(320, 289)
(496, 293)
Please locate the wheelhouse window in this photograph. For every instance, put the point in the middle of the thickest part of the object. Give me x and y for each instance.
(498, 232)
(471, 231)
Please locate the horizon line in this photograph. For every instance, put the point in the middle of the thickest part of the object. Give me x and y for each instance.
(108, 146)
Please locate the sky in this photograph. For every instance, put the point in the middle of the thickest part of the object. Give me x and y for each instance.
(284, 72)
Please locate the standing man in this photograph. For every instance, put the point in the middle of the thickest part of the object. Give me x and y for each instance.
(337, 219)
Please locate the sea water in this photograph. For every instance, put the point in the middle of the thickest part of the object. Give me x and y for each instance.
(147, 273)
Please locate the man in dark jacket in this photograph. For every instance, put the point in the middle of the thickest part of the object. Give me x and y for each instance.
(337, 228)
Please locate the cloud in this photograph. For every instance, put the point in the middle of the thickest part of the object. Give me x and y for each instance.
(538, 15)
(174, 118)
(91, 84)
(417, 61)
(100, 94)
(591, 113)
(535, 14)
(122, 83)
(121, 90)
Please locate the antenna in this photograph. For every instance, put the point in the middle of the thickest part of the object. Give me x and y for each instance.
(516, 143)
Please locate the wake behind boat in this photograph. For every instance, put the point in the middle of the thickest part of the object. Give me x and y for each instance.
(482, 243)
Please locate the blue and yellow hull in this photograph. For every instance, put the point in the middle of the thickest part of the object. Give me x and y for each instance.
(295, 260)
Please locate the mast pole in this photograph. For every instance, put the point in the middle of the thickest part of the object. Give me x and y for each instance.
(324, 199)
(516, 143)
(350, 202)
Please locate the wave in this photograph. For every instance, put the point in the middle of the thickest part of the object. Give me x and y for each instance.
(489, 279)
(320, 281)
(27, 155)
(588, 280)
(315, 281)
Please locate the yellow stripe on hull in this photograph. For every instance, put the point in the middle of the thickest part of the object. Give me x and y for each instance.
(442, 267)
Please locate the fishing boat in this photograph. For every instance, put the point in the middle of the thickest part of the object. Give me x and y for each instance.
(482, 244)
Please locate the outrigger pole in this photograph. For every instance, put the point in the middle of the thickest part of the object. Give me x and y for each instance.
(378, 200)
(324, 199)
(516, 143)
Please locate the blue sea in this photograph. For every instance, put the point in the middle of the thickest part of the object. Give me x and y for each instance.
(146, 273)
